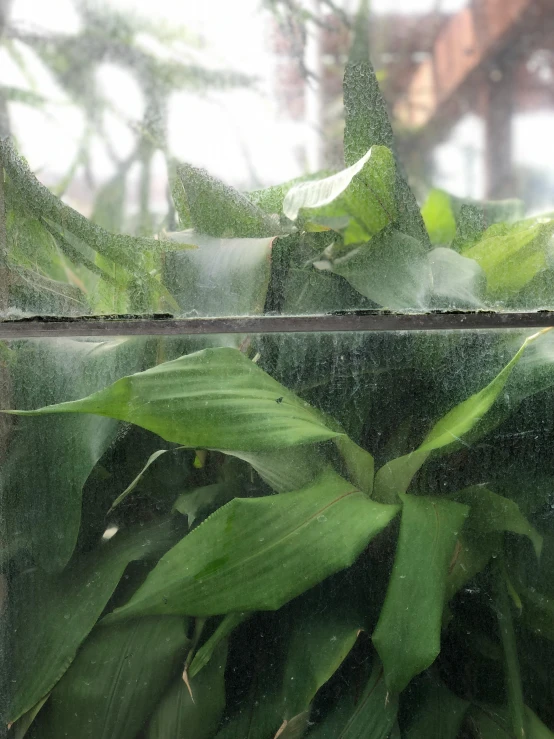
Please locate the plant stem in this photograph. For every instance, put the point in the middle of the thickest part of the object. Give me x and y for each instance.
(514, 688)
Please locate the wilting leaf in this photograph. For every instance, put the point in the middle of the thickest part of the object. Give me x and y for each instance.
(257, 554)
(180, 715)
(116, 680)
(54, 615)
(407, 635)
(213, 399)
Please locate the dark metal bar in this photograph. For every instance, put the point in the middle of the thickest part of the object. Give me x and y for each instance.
(138, 326)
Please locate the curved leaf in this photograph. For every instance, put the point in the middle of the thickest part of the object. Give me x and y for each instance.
(258, 553)
(407, 635)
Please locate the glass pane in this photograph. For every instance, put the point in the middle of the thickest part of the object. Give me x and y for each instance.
(330, 535)
(187, 148)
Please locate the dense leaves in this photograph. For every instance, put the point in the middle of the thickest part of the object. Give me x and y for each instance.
(283, 536)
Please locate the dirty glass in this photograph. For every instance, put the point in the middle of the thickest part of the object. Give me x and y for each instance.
(326, 535)
(275, 156)
(215, 531)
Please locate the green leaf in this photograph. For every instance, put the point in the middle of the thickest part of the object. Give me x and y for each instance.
(228, 624)
(49, 634)
(129, 489)
(218, 210)
(116, 680)
(368, 124)
(392, 270)
(407, 636)
(491, 513)
(43, 491)
(23, 724)
(319, 642)
(316, 193)
(512, 255)
(438, 217)
(396, 475)
(440, 715)
(222, 277)
(180, 715)
(363, 193)
(257, 554)
(373, 715)
(492, 722)
(212, 399)
(360, 466)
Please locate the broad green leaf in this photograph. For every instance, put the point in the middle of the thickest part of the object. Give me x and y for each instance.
(116, 680)
(43, 491)
(319, 642)
(212, 399)
(23, 724)
(372, 715)
(392, 270)
(457, 283)
(441, 713)
(221, 277)
(368, 124)
(257, 554)
(438, 217)
(359, 199)
(395, 477)
(228, 624)
(219, 210)
(492, 722)
(407, 636)
(512, 255)
(491, 513)
(54, 615)
(180, 715)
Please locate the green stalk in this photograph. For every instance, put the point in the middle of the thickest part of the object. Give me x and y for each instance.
(514, 690)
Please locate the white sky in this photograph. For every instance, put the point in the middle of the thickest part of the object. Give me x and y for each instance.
(216, 132)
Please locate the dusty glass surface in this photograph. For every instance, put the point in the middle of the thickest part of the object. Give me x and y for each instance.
(323, 535)
(145, 147)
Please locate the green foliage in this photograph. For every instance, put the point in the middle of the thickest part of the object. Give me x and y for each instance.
(312, 536)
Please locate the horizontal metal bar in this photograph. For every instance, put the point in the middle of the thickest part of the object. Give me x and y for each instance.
(152, 325)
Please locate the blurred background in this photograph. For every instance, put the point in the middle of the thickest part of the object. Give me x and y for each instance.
(95, 94)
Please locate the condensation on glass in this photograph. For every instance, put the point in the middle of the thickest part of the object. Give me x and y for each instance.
(272, 534)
